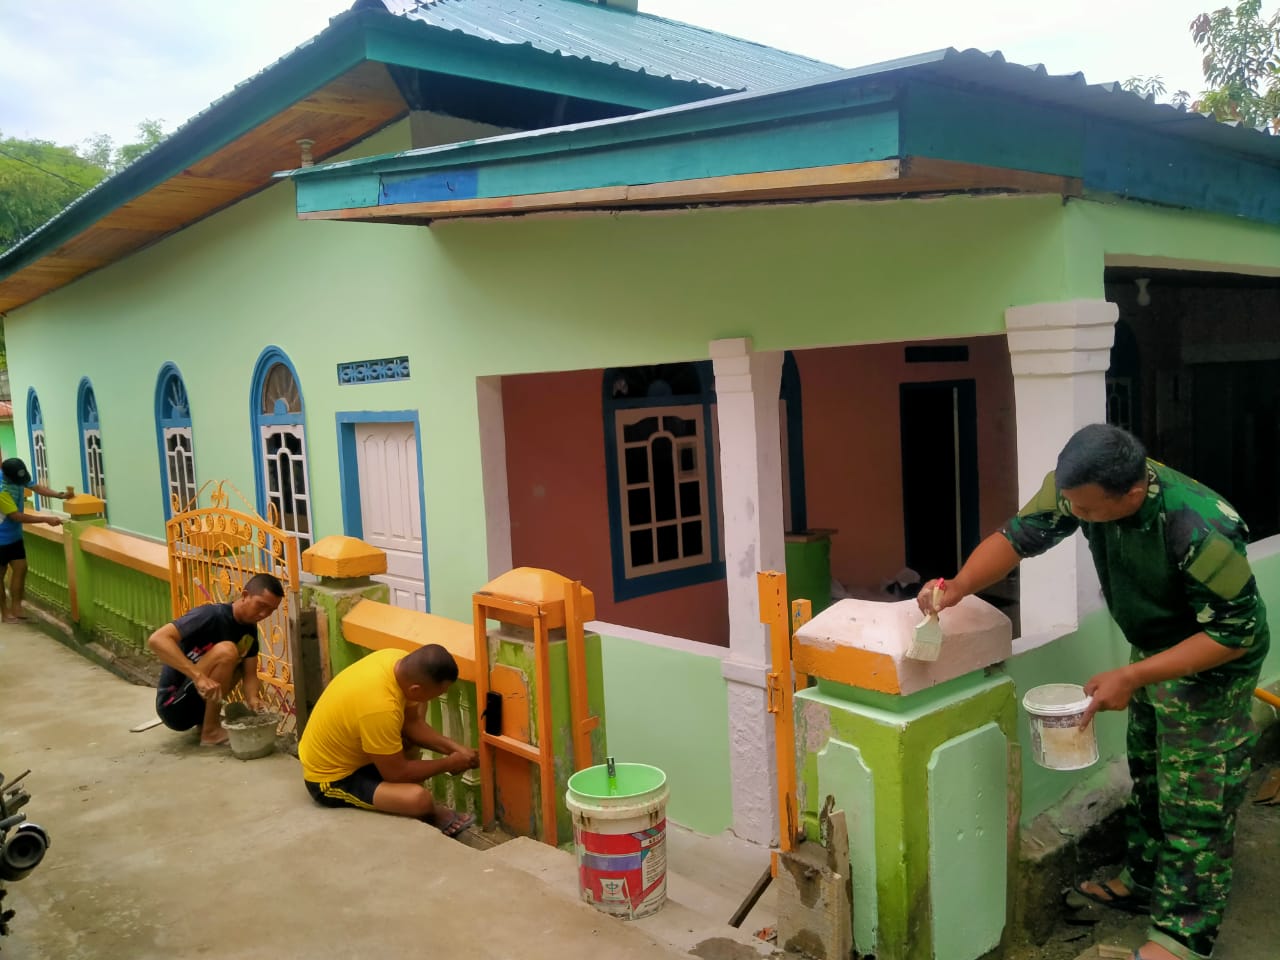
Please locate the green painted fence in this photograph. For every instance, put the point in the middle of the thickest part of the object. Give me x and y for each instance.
(47, 575)
(121, 605)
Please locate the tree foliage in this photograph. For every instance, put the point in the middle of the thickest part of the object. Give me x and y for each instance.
(39, 178)
(1241, 64)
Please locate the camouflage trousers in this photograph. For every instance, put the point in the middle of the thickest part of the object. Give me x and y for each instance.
(1189, 755)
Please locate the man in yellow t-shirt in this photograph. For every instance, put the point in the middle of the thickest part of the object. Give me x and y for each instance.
(353, 750)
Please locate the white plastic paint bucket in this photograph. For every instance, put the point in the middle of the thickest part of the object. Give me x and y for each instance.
(620, 838)
(1057, 742)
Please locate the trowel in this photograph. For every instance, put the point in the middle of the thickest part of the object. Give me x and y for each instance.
(926, 641)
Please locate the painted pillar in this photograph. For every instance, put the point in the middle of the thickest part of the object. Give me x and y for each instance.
(344, 567)
(493, 469)
(747, 385)
(1059, 353)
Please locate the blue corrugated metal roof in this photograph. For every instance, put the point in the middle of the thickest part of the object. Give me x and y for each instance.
(632, 41)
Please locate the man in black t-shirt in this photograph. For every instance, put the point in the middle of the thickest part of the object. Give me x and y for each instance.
(206, 652)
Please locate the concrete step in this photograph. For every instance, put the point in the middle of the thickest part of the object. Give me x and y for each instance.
(704, 875)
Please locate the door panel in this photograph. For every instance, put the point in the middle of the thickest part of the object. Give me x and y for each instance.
(390, 506)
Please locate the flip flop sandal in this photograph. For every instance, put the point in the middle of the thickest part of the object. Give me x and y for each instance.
(458, 824)
(1125, 903)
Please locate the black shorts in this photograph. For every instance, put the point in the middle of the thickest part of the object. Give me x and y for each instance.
(180, 709)
(12, 551)
(353, 790)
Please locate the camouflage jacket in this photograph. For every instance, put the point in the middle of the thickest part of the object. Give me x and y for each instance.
(1175, 568)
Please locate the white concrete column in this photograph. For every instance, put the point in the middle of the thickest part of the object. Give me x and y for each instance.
(493, 469)
(1059, 353)
(747, 385)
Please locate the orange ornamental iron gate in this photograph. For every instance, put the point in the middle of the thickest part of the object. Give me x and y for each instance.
(213, 551)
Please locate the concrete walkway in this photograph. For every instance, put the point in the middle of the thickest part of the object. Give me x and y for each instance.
(163, 849)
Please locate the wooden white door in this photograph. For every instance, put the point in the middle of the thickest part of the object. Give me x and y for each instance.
(390, 506)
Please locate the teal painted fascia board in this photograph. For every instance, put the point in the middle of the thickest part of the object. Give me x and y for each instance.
(1109, 158)
(963, 126)
(1144, 166)
(852, 130)
(328, 56)
(618, 133)
(409, 43)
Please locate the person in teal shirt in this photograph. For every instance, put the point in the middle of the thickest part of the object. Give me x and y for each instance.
(1171, 556)
(15, 481)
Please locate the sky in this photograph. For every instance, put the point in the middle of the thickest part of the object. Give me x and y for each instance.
(74, 68)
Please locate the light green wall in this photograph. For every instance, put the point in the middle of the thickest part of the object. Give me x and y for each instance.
(1101, 231)
(467, 299)
(9, 442)
(670, 708)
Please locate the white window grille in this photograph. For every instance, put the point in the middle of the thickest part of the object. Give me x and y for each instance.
(94, 466)
(284, 465)
(41, 457)
(662, 479)
(180, 466)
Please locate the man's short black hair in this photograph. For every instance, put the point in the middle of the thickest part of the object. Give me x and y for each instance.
(264, 583)
(1112, 458)
(431, 663)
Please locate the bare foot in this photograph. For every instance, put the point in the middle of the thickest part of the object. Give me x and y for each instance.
(1153, 951)
(215, 739)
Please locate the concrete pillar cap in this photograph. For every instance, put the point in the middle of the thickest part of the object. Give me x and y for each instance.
(344, 558)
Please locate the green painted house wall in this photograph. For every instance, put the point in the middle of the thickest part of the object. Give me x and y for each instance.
(9, 442)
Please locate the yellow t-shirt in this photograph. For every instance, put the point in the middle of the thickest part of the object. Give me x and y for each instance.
(360, 715)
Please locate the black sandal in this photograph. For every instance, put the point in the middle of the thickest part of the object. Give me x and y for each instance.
(1126, 903)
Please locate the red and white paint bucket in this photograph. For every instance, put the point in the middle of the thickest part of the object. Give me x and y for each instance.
(620, 837)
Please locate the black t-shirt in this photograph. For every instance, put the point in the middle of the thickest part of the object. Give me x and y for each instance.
(203, 627)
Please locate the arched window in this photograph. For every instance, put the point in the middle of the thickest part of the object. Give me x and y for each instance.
(176, 446)
(92, 468)
(280, 447)
(35, 434)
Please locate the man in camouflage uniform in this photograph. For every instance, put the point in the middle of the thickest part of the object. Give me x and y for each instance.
(1170, 554)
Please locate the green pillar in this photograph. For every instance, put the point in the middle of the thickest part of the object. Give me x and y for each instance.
(929, 784)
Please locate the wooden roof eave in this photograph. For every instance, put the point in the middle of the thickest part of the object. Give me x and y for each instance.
(874, 178)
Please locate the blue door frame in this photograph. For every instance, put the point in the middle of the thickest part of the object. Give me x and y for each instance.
(349, 476)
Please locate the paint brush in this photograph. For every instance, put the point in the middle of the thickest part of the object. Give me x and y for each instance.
(926, 641)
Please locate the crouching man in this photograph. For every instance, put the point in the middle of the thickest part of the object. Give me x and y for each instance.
(359, 748)
(206, 652)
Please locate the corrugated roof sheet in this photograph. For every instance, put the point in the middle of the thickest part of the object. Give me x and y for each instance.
(632, 41)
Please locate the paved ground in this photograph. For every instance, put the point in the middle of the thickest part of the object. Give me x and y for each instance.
(163, 849)
(1252, 927)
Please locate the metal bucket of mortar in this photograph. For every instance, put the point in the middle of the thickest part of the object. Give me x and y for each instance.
(252, 735)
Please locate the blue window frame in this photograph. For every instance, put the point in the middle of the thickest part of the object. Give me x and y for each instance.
(174, 441)
(661, 461)
(35, 436)
(280, 445)
(93, 469)
(661, 467)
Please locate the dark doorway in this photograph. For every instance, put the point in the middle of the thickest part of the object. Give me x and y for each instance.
(939, 474)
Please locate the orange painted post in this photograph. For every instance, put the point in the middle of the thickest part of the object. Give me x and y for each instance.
(801, 613)
(546, 762)
(773, 612)
(576, 648)
(488, 782)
